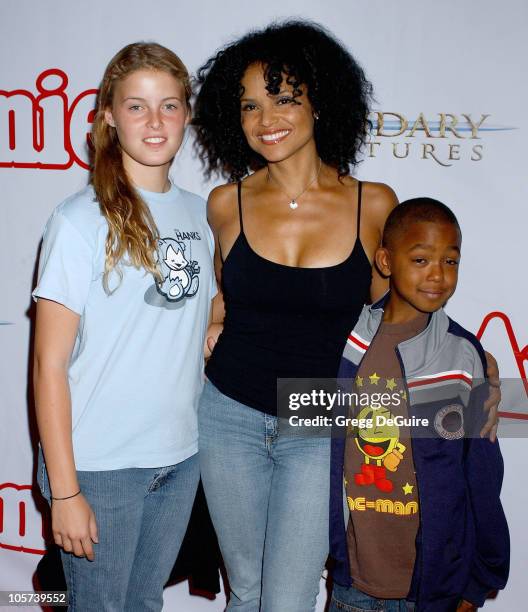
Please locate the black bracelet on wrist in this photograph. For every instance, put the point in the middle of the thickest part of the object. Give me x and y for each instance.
(63, 498)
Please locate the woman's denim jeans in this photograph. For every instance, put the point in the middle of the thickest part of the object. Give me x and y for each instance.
(268, 498)
(142, 516)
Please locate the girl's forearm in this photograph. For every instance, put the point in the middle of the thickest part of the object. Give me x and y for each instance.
(53, 411)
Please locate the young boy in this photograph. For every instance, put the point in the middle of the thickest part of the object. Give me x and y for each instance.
(416, 522)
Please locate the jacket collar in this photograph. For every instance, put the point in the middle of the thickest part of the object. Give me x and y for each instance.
(417, 352)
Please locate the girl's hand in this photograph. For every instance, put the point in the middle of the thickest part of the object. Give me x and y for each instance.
(74, 527)
(494, 398)
(466, 606)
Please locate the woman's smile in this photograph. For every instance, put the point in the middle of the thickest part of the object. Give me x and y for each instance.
(269, 119)
(275, 137)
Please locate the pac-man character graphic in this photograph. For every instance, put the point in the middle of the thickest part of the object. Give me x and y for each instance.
(380, 447)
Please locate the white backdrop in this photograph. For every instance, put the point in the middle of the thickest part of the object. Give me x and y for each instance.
(451, 83)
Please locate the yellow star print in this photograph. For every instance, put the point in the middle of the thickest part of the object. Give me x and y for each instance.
(408, 488)
(359, 381)
(374, 378)
(391, 384)
(404, 395)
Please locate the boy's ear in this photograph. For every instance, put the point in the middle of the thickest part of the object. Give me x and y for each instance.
(382, 259)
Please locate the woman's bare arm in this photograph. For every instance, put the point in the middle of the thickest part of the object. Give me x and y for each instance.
(494, 398)
(378, 201)
(221, 215)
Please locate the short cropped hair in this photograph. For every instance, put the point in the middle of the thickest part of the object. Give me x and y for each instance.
(413, 211)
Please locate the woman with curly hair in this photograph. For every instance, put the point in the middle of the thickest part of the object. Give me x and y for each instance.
(282, 112)
(294, 244)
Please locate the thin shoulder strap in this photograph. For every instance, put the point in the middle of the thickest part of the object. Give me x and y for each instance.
(239, 188)
(360, 184)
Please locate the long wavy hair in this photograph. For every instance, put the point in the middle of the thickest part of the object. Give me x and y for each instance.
(132, 231)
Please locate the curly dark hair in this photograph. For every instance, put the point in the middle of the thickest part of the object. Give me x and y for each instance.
(307, 54)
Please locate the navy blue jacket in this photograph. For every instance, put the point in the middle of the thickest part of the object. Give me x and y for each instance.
(462, 546)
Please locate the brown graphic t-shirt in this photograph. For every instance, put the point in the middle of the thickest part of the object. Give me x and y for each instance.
(380, 482)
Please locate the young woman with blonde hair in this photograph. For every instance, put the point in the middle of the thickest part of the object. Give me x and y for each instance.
(124, 291)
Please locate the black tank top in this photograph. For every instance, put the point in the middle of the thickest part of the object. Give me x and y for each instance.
(282, 321)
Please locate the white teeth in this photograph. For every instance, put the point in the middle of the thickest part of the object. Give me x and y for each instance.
(274, 136)
(154, 140)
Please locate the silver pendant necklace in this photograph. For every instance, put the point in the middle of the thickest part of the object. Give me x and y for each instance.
(293, 201)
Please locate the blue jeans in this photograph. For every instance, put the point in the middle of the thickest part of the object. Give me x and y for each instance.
(268, 498)
(142, 515)
(349, 599)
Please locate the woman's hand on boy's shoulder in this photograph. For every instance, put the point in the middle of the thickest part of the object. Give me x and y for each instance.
(494, 398)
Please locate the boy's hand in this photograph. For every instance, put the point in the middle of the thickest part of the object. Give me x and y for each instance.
(466, 606)
(494, 398)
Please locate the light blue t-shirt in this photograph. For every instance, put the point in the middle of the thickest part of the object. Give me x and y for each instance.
(136, 372)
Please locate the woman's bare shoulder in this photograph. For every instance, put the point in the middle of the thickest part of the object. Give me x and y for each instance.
(379, 199)
(222, 204)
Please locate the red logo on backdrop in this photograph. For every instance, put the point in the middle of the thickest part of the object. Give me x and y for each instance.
(21, 524)
(29, 124)
(520, 355)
